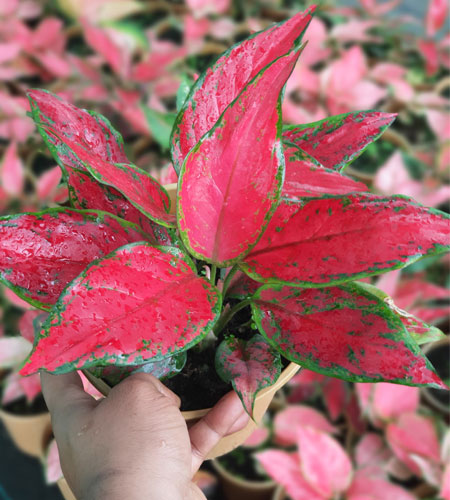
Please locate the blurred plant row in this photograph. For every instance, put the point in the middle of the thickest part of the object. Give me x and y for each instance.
(133, 61)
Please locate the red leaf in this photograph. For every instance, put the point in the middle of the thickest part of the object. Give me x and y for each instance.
(139, 187)
(241, 286)
(305, 177)
(336, 141)
(342, 332)
(220, 84)
(103, 317)
(322, 241)
(288, 421)
(231, 180)
(249, 365)
(284, 468)
(88, 129)
(324, 463)
(40, 253)
(87, 193)
(335, 397)
(436, 15)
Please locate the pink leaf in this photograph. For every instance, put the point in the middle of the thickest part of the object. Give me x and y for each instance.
(324, 464)
(13, 351)
(376, 8)
(391, 400)
(335, 397)
(257, 438)
(445, 487)
(48, 182)
(12, 389)
(53, 471)
(226, 79)
(284, 468)
(376, 489)
(430, 54)
(31, 386)
(287, 422)
(26, 324)
(223, 174)
(436, 15)
(372, 455)
(12, 171)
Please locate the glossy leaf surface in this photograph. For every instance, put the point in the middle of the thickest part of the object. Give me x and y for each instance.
(41, 253)
(336, 141)
(242, 286)
(305, 177)
(323, 241)
(420, 331)
(231, 180)
(249, 365)
(220, 84)
(139, 187)
(139, 303)
(88, 129)
(164, 368)
(342, 332)
(86, 193)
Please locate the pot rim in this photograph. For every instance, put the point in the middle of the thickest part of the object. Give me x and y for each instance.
(254, 485)
(13, 416)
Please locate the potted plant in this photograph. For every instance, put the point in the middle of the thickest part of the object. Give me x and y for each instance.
(128, 282)
(23, 411)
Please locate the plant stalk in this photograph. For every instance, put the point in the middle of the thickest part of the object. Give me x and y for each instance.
(213, 274)
(226, 316)
(228, 279)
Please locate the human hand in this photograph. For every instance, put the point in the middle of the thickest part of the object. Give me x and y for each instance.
(135, 443)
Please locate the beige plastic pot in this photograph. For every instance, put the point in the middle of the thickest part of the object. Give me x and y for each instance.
(235, 488)
(27, 431)
(232, 441)
(65, 490)
(279, 494)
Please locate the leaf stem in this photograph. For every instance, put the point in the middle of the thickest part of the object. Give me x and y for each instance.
(227, 315)
(228, 279)
(213, 274)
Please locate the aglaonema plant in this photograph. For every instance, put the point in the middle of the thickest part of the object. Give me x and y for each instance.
(267, 210)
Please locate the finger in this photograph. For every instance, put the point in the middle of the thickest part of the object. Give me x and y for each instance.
(64, 392)
(208, 431)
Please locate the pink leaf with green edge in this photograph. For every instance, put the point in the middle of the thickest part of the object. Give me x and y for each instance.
(88, 129)
(86, 193)
(139, 187)
(287, 422)
(336, 141)
(389, 401)
(365, 488)
(420, 331)
(413, 434)
(324, 464)
(53, 471)
(13, 351)
(41, 253)
(322, 241)
(103, 316)
(284, 468)
(230, 182)
(305, 177)
(220, 84)
(368, 343)
(250, 366)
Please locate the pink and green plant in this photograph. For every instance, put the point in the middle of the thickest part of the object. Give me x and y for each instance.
(121, 275)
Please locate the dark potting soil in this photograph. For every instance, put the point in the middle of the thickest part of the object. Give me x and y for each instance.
(22, 407)
(242, 464)
(198, 384)
(439, 359)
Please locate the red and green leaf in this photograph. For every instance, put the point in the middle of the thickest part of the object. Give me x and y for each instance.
(336, 141)
(41, 253)
(140, 188)
(138, 304)
(231, 180)
(221, 83)
(306, 177)
(242, 286)
(322, 241)
(249, 365)
(88, 129)
(343, 332)
(420, 331)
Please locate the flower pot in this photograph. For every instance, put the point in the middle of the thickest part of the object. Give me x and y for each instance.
(236, 488)
(28, 432)
(227, 443)
(437, 353)
(66, 492)
(279, 494)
